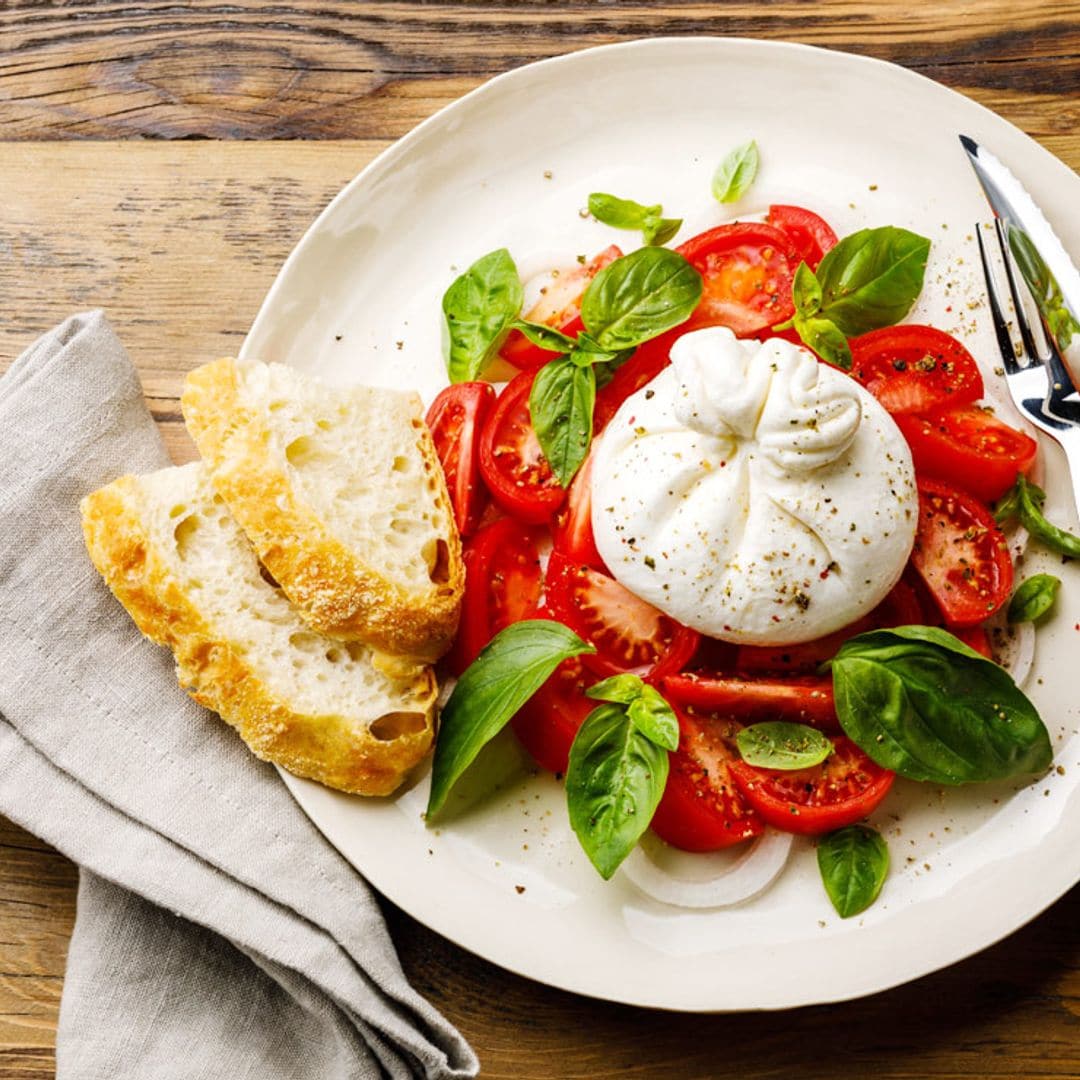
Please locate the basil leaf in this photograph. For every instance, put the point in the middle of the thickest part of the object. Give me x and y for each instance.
(736, 173)
(1031, 517)
(872, 278)
(1008, 506)
(661, 231)
(826, 339)
(654, 718)
(479, 307)
(806, 291)
(561, 404)
(854, 863)
(1034, 598)
(620, 689)
(627, 214)
(639, 296)
(545, 337)
(777, 744)
(503, 677)
(920, 702)
(614, 782)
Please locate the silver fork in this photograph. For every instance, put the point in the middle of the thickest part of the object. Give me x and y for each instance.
(1038, 383)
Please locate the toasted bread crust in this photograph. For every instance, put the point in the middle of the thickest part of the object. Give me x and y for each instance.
(335, 591)
(338, 751)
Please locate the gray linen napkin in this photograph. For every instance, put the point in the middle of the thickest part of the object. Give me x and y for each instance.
(218, 933)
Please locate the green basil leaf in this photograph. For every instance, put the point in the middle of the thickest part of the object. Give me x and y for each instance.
(503, 677)
(479, 308)
(826, 339)
(1031, 517)
(545, 337)
(854, 863)
(639, 296)
(614, 782)
(1008, 506)
(777, 744)
(561, 405)
(872, 278)
(661, 230)
(654, 718)
(736, 173)
(620, 213)
(1034, 598)
(806, 291)
(920, 702)
(620, 689)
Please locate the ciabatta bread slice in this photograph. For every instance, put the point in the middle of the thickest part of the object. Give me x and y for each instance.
(169, 549)
(342, 494)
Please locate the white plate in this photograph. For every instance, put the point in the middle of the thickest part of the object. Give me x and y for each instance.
(511, 164)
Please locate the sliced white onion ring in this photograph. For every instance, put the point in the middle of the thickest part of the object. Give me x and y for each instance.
(718, 879)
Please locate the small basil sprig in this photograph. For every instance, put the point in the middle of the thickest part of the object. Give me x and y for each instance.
(869, 280)
(626, 214)
(479, 308)
(618, 769)
(922, 703)
(1034, 598)
(736, 173)
(778, 744)
(512, 667)
(1024, 501)
(854, 863)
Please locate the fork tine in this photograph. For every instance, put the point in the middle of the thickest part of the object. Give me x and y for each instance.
(1001, 325)
(1018, 306)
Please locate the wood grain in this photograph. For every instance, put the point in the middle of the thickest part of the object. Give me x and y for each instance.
(179, 238)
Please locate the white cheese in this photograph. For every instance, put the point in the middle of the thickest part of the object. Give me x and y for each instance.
(753, 493)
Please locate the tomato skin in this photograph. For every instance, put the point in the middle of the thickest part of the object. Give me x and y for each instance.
(843, 789)
(640, 370)
(701, 809)
(961, 555)
(747, 270)
(968, 448)
(455, 419)
(571, 528)
(629, 634)
(511, 462)
(547, 723)
(502, 586)
(975, 637)
(560, 307)
(911, 368)
(799, 700)
(811, 236)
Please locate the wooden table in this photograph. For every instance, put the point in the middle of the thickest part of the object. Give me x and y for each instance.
(163, 158)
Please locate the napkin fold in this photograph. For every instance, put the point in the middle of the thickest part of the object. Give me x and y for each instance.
(218, 933)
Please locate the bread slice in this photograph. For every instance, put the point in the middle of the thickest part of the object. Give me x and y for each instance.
(169, 549)
(342, 494)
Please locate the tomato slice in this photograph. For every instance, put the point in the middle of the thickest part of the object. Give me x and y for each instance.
(629, 634)
(810, 235)
(912, 368)
(969, 448)
(640, 370)
(455, 419)
(502, 586)
(571, 528)
(547, 723)
(746, 270)
(800, 700)
(701, 809)
(559, 306)
(961, 555)
(843, 789)
(977, 638)
(511, 462)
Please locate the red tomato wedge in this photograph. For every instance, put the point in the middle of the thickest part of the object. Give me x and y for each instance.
(547, 723)
(629, 634)
(746, 270)
(640, 370)
(800, 700)
(961, 555)
(560, 307)
(977, 638)
(911, 369)
(808, 234)
(511, 462)
(571, 528)
(843, 789)
(502, 586)
(455, 419)
(969, 448)
(701, 809)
